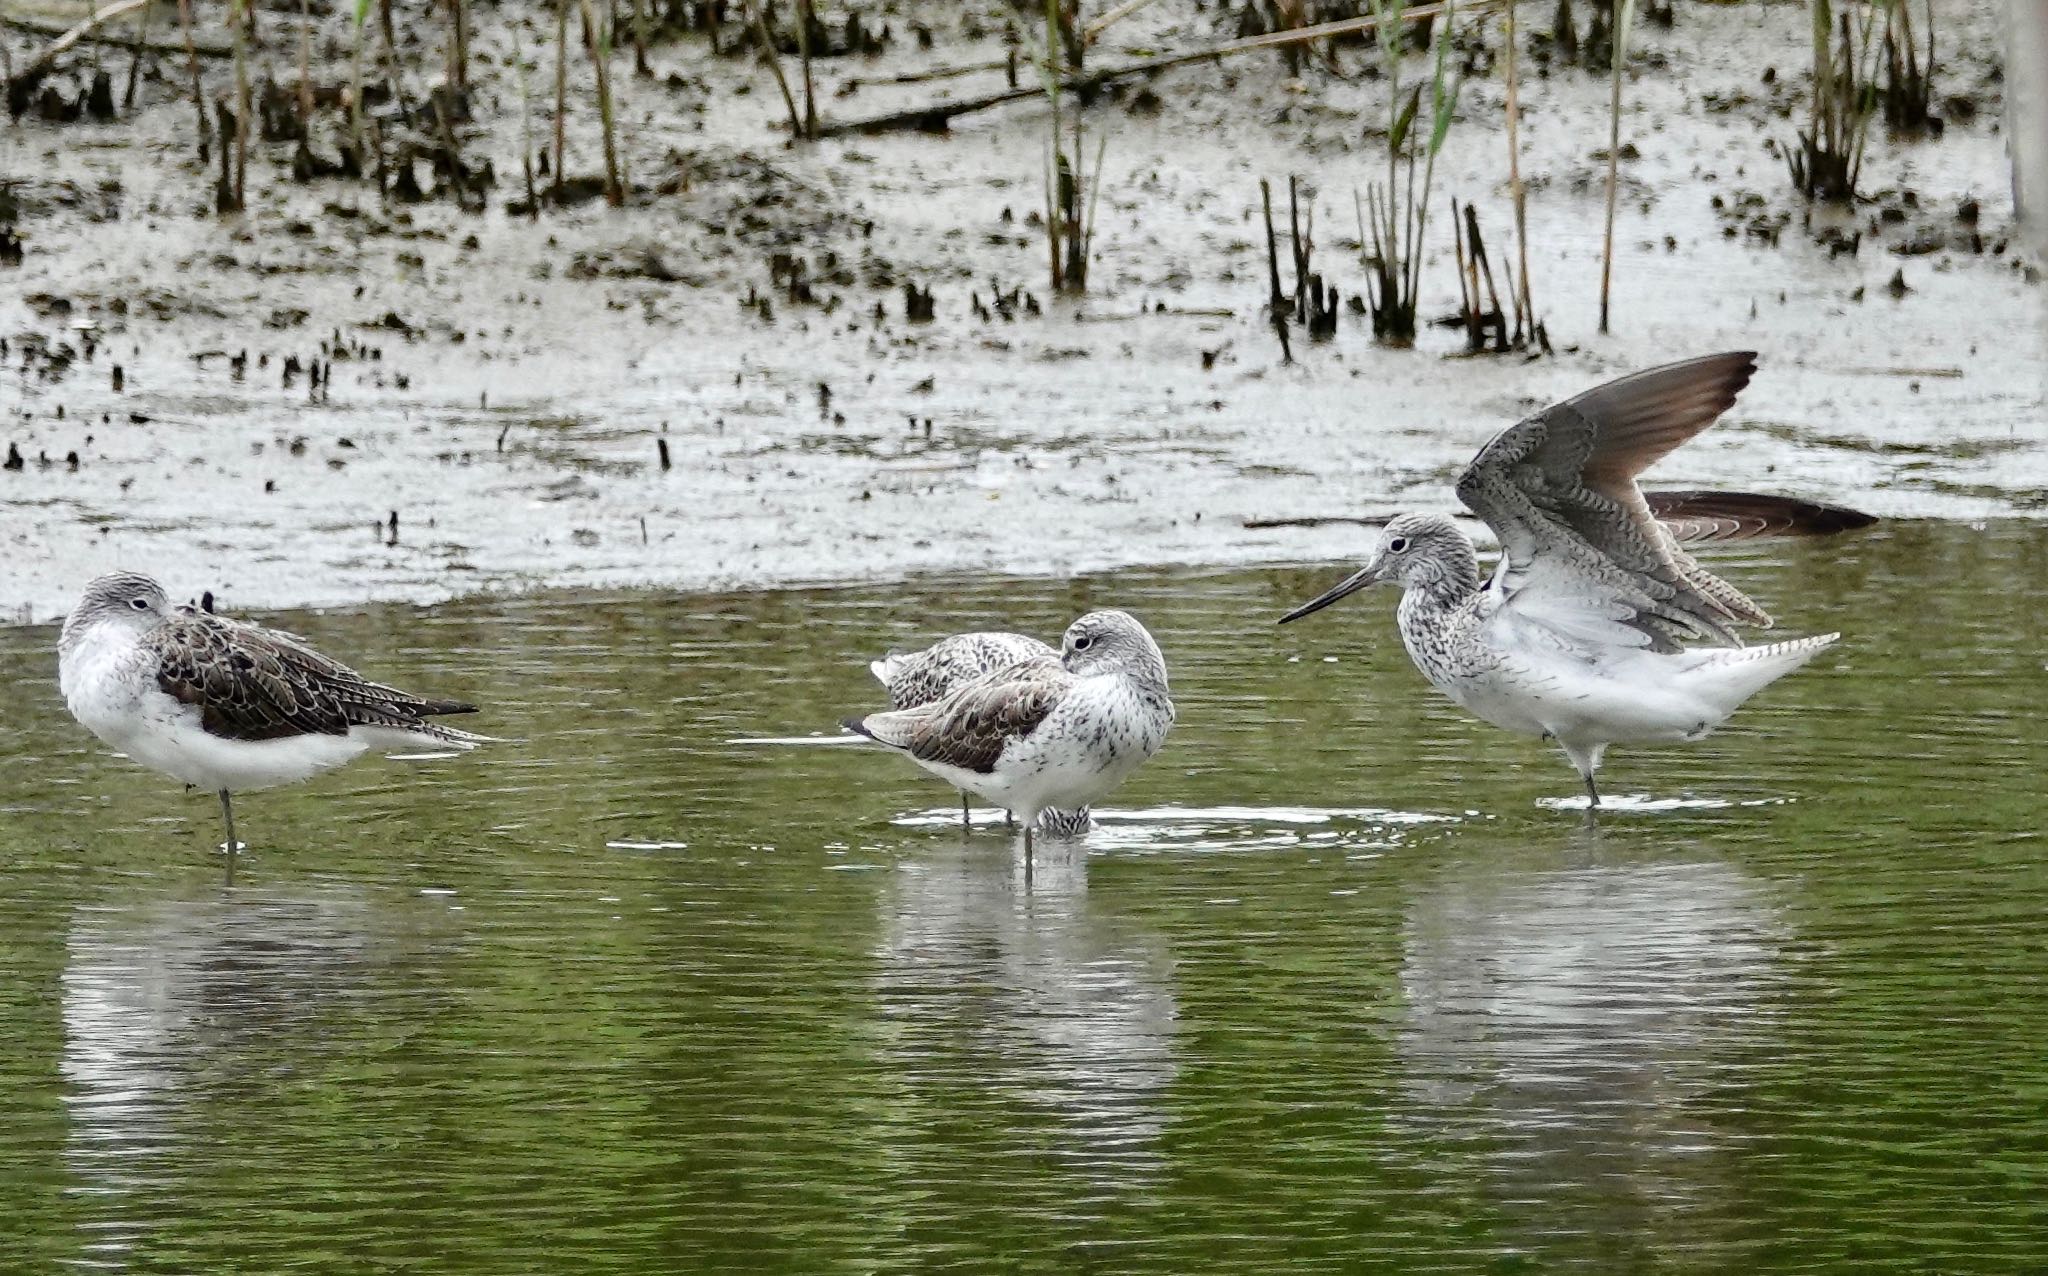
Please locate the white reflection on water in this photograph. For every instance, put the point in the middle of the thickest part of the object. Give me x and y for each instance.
(1571, 1026)
(1028, 997)
(171, 1004)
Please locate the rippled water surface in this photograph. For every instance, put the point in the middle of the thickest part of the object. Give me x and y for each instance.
(1336, 985)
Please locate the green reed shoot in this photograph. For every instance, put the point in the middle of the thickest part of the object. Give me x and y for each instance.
(1395, 218)
(1829, 157)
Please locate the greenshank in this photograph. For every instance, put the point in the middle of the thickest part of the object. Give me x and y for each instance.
(1043, 733)
(222, 704)
(1582, 633)
(916, 678)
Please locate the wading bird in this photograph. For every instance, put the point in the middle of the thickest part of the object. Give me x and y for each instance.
(1043, 733)
(225, 705)
(914, 678)
(1581, 634)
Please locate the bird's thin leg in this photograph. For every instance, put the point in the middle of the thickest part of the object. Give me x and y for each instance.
(227, 810)
(966, 819)
(1027, 854)
(1592, 792)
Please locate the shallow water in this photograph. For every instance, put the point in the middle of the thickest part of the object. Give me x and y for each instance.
(1334, 986)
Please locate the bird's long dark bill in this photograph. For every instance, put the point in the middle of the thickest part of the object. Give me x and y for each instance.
(1349, 585)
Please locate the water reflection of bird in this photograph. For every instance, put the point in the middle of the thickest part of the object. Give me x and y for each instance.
(914, 678)
(1581, 633)
(1044, 733)
(1566, 1024)
(1029, 997)
(225, 705)
(170, 1003)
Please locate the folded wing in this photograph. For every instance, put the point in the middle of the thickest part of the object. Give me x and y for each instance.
(969, 727)
(251, 683)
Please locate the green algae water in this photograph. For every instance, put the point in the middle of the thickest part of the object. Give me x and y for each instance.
(1338, 984)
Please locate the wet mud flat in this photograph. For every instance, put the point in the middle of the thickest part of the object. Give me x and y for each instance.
(841, 359)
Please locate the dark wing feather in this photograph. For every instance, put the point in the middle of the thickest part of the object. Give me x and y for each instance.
(1694, 516)
(251, 683)
(1559, 489)
(969, 727)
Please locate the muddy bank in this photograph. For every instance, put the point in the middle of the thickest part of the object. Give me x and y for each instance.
(730, 381)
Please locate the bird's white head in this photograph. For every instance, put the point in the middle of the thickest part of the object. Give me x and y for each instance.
(1415, 551)
(127, 600)
(1112, 642)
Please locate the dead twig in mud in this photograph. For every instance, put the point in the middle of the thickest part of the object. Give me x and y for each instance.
(355, 96)
(305, 64)
(804, 18)
(774, 61)
(935, 117)
(1527, 328)
(135, 55)
(561, 89)
(1276, 301)
(38, 66)
(640, 64)
(230, 196)
(1094, 30)
(1480, 316)
(525, 126)
(1624, 12)
(198, 97)
(600, 57)
(458, 46)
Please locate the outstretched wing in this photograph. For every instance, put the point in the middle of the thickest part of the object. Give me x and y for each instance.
(1583, 551)
(1695, 516)
(251, 683)
(969, 727)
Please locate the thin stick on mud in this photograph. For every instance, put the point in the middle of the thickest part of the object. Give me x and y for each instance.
(198, 97)
(933, 118)
(458, 46)
(774, 61)
(1524, 301)
(561, 88)
(1275, 301)
(235, 9)
(39, 65)
(305, 62)
(600, 56)
(355, 96)
(1093, 30)
(1624, 12)
(391, 64)
(525, 125)
(135, 55)
(804, 19)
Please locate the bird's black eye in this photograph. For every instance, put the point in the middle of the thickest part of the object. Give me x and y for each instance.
(1082, 644)
(139, 604)
(1397, 544)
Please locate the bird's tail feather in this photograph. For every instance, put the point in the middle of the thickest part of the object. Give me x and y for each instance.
(1731, 675)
